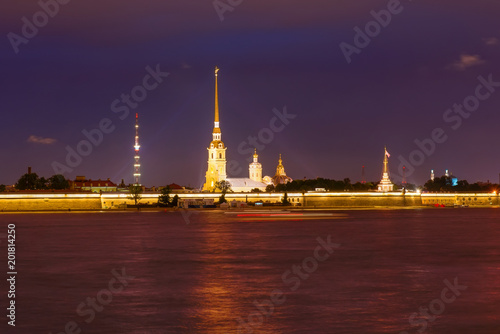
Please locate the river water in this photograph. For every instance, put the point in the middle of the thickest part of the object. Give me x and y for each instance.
(366, 271)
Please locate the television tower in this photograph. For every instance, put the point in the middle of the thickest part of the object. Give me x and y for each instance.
(137, 165)
(404, 175)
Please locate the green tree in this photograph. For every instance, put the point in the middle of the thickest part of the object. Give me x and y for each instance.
(270, 188)
(281, 187)
(135, 193)
(224, 186)
(29, 181)
(222, 199)
(175, 201)
(164, 199)
(41, 183)
(58, 181)
(256, 190)
(2, 188)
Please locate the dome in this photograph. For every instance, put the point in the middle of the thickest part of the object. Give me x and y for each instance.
(280, 177)
(217, 144)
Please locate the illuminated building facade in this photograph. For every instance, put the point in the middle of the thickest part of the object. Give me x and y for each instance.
(255, 168)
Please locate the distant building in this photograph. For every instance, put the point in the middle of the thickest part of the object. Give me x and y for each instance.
(175, 188)
(82, 184)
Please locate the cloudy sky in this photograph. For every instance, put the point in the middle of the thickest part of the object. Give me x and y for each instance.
(396, 86)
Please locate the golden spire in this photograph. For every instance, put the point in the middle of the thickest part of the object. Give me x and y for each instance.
(280, 170)
(216, 120)
(255, 153)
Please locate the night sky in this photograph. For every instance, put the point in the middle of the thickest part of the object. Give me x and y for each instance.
(271, 54)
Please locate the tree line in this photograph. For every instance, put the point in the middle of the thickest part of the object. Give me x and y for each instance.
(31, 181)
(445, 184)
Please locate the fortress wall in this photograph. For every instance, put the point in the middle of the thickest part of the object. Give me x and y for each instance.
(49, 204)
(356, 200)
(472, 199)
(79, 201)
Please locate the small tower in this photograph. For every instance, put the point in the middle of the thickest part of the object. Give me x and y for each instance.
(432, 175)
(447, 173)
(280, 177)
(404, 176)
(363, 180)
(385, 184)
(137, 165)
(216, 170)
(255, 168)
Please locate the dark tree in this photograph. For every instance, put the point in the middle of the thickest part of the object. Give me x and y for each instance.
(2, 188)
(222, 199)
(164, 199)
(29, 181)
(175, 201)
(281, 187)
(270, 188)
(58, 182)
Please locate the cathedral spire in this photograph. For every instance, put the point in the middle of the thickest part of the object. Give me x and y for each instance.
(216, 170)
(216, 118)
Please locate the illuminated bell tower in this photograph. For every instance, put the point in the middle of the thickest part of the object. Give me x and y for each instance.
(216, 170)
(137, 165)
(255, 168)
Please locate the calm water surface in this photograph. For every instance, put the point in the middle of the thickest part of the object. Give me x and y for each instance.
(203, 276)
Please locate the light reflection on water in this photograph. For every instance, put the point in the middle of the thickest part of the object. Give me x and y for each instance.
(200, 277)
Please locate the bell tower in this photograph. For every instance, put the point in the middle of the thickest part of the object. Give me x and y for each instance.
(216, 170)
(255, 168)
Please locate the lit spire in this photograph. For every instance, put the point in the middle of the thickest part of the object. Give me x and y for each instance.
(216, 134)
(280, 170)
(216, 118)
(137, 165)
